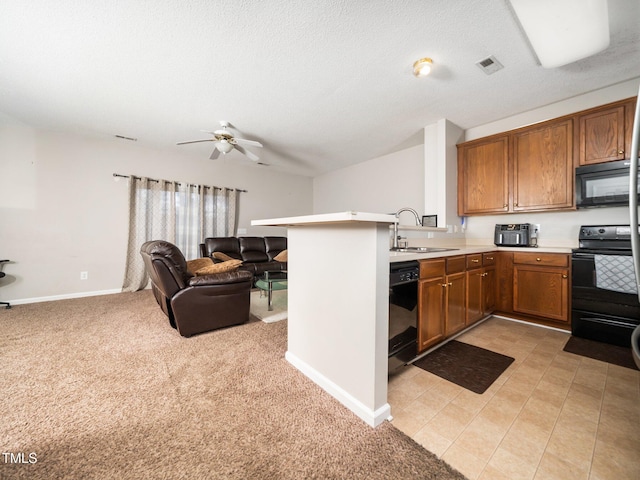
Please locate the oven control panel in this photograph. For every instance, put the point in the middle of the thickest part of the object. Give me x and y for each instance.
(605, 237)
(605, 232)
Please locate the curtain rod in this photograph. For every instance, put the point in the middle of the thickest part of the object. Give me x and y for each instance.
(154, 180)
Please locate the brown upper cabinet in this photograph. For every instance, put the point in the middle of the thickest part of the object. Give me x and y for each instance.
(529, 169)
(543, 167)
(605, 132)
(483, 176)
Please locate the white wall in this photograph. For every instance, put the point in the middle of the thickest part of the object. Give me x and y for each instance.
(62, 211)
(381, 185)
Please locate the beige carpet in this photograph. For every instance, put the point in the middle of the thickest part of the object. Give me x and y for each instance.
(260, 306)
(103, 388)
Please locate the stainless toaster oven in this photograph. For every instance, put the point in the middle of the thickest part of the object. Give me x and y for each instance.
(516, 235)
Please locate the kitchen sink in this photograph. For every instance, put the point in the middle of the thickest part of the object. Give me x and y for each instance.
(422, 249)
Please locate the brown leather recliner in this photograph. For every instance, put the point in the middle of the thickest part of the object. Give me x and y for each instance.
(195, 304)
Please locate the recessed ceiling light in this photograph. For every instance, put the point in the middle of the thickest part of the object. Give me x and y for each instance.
(422, 67)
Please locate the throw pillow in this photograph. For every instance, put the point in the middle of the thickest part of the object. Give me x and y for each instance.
(221, 267)
(221, 256)
(194, 265)
(281, 257)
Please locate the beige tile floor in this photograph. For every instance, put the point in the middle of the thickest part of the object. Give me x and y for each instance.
(550, 415)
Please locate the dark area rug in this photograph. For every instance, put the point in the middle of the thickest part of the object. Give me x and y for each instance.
(471, 367)
(604, 352)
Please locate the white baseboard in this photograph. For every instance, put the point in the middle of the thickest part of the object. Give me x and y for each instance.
(24, 301)
(532, 324)
(372, 417)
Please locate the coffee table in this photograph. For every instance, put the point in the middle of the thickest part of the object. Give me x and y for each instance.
(272, 280)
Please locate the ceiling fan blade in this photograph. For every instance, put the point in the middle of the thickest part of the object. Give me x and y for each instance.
(196, 141)
(252, 156)
(215, 154)
(251, 143)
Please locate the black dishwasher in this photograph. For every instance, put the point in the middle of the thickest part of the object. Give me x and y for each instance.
(403, 313)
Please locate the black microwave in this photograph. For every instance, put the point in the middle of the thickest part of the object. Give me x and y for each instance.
(603, 184)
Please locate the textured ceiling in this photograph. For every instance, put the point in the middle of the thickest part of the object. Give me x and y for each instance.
(322, 84)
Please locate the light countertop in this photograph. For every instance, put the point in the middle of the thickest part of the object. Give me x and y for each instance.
(404, 256)
(327, 218)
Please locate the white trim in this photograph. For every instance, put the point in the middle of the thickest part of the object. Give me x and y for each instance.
(371, 417)
(568, 332)
(66, 296)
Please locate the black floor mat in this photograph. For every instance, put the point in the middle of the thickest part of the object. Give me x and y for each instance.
(471, 367)
(604, 352)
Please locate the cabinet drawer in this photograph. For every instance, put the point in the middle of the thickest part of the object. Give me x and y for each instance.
(474, 261)
(489, 259)
(432, 268)
(456, 264)
(546, 259)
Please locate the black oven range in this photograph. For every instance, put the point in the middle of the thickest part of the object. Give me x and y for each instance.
(604, 297)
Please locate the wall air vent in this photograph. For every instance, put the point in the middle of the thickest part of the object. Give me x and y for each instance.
(489, 65)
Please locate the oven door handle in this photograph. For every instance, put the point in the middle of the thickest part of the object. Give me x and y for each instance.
(633, 195)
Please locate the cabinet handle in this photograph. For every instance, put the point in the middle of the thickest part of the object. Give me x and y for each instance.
(620, 152)
(515, 204)
(538, 259)
(489, 258)
(564, 276)
(443, 285)
(505, 205)
(475, 260)
(450, 283)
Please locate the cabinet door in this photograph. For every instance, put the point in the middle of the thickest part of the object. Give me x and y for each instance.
(541, 291)
(543, 167)
(431, 294)
(474, 296)
(483, 176)
(488, 291)
(455, 301)
(602, 136)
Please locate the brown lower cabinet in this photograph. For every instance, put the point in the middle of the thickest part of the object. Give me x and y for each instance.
(455, 292)
(445, 295)
(481, 286)
(534, 287)
(541, 284)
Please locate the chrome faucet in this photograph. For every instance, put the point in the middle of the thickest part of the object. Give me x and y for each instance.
(395, 225)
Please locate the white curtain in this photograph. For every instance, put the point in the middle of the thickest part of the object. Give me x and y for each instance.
(179, 213)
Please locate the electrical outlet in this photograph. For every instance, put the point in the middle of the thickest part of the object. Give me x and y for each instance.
(84, 275)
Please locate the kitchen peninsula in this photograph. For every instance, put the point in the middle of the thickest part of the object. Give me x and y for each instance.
(338, 270)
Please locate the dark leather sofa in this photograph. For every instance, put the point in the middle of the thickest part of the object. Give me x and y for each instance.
(195, 304)
(256, 253)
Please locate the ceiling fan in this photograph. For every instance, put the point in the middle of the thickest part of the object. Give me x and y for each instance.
(224, 142)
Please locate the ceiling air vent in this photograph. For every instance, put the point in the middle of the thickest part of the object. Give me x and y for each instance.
(489, 65)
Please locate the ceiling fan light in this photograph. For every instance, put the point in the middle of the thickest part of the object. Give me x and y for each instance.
(223, 146)
(422, 67)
